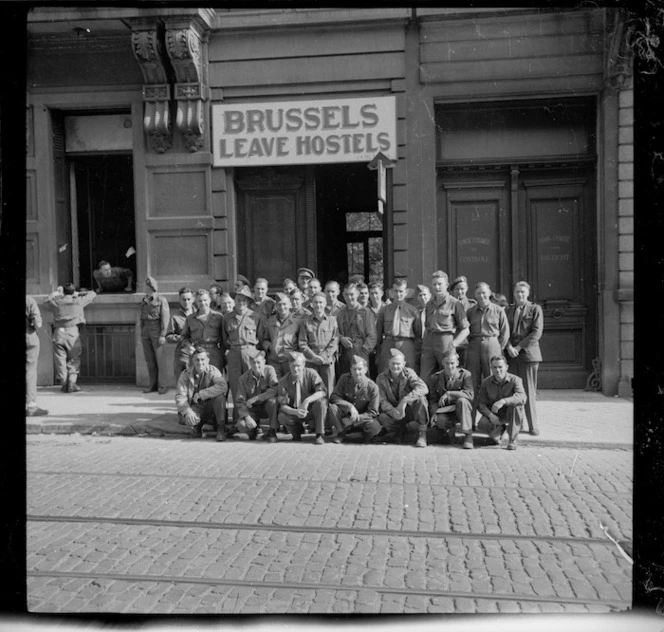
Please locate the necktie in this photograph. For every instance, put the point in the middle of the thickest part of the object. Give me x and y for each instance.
(397, 321)
(298, 394)
(517, 318)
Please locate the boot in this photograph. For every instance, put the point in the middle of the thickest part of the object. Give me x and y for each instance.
(71, 383)
(421, 439)
(65, 387)
(271, 436)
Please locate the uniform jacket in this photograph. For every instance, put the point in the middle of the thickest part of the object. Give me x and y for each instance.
(410, 323)
(359, 325)
(319, 337)
(33, 318)
(460, 386)
(280, 338)
(448, 316)
(200, 328)
(266, 308)
(174, 332)
(68, 310)
(117, 282)
(241, 329)
(249, 386)
(155, 309)
(529, 330)
(488, 321)
(209, 384)
(511, 390)
(408, 387)
(364, 396)
(311, 383)
(333, 310)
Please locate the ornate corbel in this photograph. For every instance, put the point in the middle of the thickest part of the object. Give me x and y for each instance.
(149, 53)
(619, 54)
(185, 47)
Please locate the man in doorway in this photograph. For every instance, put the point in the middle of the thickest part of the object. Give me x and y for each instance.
(451, 399)
(279, 337)
(113, 279)
(402, 400)
(302, 397)
(354, 404)
(489, 335)
(33, 321)
(263, 304)
(67, 306)
(332, 291)
(154, 317)
(357, 330)
(399, 327)
(446, 326)
(501, 404)
(200, 395)
(318, 340)
(256, 396)
(174, 332)
(523, 349)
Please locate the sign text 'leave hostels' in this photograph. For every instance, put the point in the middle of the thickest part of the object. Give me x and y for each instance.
(303, 132)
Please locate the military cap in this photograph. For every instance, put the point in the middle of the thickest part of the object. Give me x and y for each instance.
(246, 292)
(150, 280)
(359, 359)
(356, 278)
(397, 354)
(306, 272)
(295, 356)
(423, 288)
(459, 279)
(282, 296)
(244, 279)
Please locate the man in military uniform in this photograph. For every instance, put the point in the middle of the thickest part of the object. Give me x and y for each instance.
(113, 279)
(256, 396)
(376, 302)
(33, 321)
(489, 334)
(297, 304)
(241, 331)
(523, 349)
(357, 330)
(304, 276)
(362, 293)
(446, 326)
(240, 282)
(175, 327)
(451, 399)
(226, 303)
(501, 403)
(263, 304)
(399, 327)
(332, 291)
(67, 306)
(302, 397)
(200, 395)
(402, 400)
(313, 288)
(279, 336)
(203, 328)
(318, 340)
(154, 317)
(215, 295)
(459, 289)
(354, 404)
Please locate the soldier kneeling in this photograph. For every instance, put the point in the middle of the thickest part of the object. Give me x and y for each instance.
(256, 396)
(200, 395)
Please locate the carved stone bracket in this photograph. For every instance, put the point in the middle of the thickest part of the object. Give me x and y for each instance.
(185, 50)
(619, 54)
(149, 52)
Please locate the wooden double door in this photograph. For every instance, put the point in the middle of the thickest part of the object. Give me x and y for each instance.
(502, 224)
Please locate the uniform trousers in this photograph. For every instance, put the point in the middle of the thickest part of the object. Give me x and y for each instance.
(416, 411)
(478, 361)
(510, 418)
(434, 346)
(238, 363)
(280, 368)
(267, 408)
(462, 414)
(211, 411)
(155, 356)
(527, 371)
(405, 345)
(337, 418)
(327, 374)
(31, 361)
(67, 350)
(316, 413)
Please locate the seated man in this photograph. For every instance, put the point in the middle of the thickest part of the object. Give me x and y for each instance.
(402, 399)
(501, 402)
(302, 397)
(200, 395)
(451, 399)
(354, 403)
(256, 396)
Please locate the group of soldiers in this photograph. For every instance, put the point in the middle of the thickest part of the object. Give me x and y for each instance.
(305, 360)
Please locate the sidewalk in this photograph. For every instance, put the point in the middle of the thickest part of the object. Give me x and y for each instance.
(569, 418)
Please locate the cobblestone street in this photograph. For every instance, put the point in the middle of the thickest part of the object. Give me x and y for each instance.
(144, 525)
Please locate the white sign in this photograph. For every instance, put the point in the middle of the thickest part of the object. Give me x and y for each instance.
(303, 132)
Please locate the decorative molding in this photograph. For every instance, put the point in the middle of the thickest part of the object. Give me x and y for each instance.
(269, 178)
(619, 54)
(594, 380)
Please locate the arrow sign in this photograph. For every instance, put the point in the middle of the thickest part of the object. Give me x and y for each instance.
(380, 163)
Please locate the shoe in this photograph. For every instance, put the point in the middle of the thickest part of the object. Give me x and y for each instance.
(297, 435)
(421, 439)
(451, 435)
(163, 390)
(221, 435)
(65, 388)
(496, 434)
(328, 432)
(320, 440)
(35, 411)
(339, 437)
(534, 432)
(468, 442)
(270, 437)
(511, 446)
(252, 434)
(196, 432)
(71, 383)
(150, 389)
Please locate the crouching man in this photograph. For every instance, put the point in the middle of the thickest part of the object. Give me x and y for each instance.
(302, 397)
(451, 399)
(200, 396)
(402, 400)
(256, 397)
(501, 403)
(354, 403)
